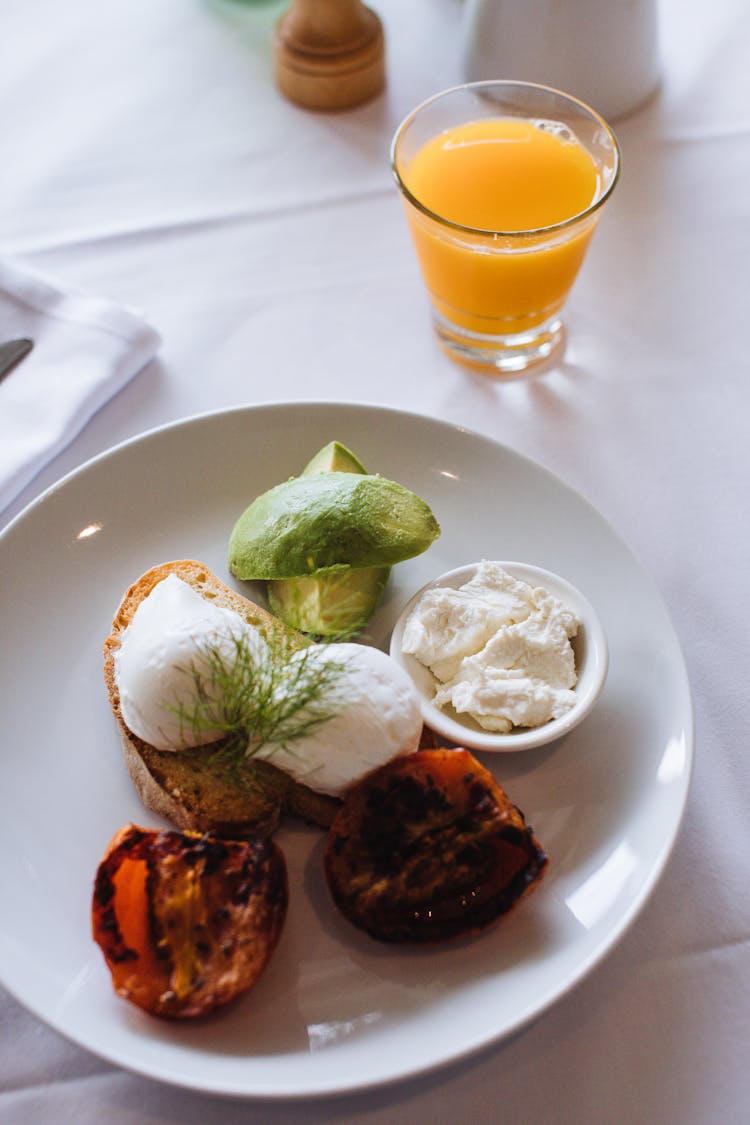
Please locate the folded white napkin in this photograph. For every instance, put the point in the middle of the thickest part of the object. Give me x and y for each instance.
(85, 350)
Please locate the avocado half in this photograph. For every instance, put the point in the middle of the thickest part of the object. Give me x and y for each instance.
(325, 542)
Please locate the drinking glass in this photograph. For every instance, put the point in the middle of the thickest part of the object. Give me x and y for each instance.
(498, 282)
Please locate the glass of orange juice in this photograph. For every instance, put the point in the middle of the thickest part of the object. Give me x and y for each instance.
(503, 185)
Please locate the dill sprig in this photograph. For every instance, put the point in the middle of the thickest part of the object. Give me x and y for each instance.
(262, 693)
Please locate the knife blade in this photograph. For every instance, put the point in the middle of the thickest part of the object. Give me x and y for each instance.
(11, 353)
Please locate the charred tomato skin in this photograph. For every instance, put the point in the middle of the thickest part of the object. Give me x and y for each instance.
(187, 922)
(429, 847)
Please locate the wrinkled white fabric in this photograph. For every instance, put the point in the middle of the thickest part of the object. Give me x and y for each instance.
(85, 349)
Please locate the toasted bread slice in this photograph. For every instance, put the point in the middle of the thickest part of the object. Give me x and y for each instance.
(188, 787)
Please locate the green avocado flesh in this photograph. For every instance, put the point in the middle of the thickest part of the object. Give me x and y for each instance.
(317, 545)
(334, 458)
(312, 525)
(334, 604)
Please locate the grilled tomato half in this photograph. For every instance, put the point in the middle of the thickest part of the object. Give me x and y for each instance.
(187, 922)
(429, 847)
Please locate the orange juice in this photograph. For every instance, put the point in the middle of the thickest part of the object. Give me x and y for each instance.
(492, 188)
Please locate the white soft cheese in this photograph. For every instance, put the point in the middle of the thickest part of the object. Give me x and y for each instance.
(375, 716)
(499, 648)
(163, 650)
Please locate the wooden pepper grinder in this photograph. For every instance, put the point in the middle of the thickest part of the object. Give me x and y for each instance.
(329, 54)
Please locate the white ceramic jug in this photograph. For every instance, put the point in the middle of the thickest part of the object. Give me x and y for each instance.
(604, 52)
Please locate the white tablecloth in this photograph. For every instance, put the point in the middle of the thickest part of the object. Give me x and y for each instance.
(148, 159)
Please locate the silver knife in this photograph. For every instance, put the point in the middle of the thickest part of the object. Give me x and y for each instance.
(12, 353)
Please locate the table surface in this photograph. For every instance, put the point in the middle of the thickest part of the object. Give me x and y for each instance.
(149, 159)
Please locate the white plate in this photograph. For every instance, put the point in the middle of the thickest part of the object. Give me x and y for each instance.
(335, 1010)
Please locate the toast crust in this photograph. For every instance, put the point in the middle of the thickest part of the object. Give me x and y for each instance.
(185, 786)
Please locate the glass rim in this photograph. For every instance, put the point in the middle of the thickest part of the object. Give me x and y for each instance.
(535, 231)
